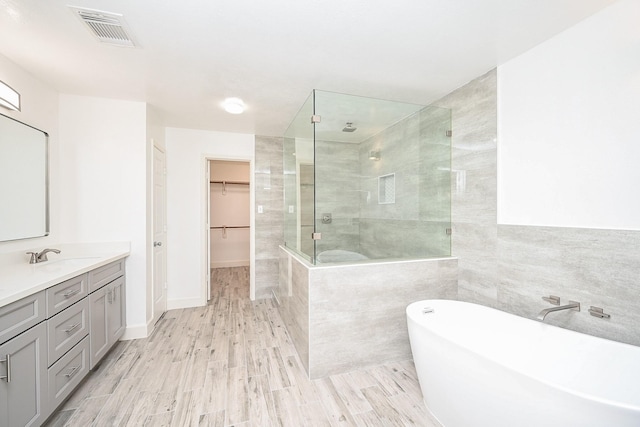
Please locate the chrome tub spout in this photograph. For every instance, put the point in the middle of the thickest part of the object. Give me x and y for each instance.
(573, 305)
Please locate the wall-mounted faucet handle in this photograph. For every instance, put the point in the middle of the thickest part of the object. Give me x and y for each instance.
(598, 312)
(552, 299)
(34, 257)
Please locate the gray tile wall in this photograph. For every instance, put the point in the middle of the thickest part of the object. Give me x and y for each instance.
(357, 313)
(336, 189)
(594, 267)
(342, 318)
(474, 187)
(511, 267)
(417, 151)
(269, 225)
(293, 299)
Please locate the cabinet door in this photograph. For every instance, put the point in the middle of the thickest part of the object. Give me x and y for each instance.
(98, 335)
(116, 310)
(23, 377)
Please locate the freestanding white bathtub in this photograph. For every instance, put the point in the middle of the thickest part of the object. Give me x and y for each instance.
(478, 366)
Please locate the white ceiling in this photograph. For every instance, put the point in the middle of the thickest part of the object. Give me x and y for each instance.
(192, 54)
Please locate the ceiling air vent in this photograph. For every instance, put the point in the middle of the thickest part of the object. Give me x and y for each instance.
(108, 27)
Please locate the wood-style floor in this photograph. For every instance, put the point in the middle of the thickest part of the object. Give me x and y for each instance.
(232, 363)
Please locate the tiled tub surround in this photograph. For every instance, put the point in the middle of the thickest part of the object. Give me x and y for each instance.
(19, 279)
(345, 317)
(594, 267)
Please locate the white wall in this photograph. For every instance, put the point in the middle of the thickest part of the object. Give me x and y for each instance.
(103, 185)
(569, 126)
(40, 110)
(187, 151)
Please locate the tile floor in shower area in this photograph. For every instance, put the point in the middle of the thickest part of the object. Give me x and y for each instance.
(232, 363)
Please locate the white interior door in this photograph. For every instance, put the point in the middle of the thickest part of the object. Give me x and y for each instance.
(159, 234)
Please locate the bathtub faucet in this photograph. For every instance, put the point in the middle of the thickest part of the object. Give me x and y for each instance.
(573, 305)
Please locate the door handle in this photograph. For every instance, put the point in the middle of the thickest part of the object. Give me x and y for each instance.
(7, 377)
(157, 244)
(72, 327)
(72, 371)
(71, 293)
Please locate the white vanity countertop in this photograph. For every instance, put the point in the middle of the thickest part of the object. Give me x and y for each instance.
(19, 279)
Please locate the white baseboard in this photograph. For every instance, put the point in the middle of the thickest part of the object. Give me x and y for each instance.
(134, 332)
(223, 264)
(173, 304)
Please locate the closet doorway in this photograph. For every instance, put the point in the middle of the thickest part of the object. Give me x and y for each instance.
(229, 223)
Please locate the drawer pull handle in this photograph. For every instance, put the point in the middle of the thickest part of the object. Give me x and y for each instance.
(72, 371)
(72, 327)
(69, 294)
(7, 361)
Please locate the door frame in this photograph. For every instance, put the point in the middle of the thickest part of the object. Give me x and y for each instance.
(206, 260)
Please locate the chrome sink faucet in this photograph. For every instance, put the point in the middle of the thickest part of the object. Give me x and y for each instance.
(38, 257)
(573, 305)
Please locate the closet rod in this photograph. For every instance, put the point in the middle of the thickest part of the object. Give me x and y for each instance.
(230, 226)
(230, 182)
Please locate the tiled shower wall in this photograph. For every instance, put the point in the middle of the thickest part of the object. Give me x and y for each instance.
(337, 192)
(268, 181)
(511, 267)
(416, 150)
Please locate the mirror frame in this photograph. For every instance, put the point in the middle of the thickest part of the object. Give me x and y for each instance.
(47, 207)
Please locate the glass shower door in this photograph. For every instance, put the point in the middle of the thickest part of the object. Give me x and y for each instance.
(299, 183)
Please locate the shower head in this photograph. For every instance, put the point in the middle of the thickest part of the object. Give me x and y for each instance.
(349, 127)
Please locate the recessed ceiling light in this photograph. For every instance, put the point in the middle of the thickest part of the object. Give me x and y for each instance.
(233, 105)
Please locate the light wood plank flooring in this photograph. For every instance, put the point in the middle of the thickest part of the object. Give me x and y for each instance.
(232, 363)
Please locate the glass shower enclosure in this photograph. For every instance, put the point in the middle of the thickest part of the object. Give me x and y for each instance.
(367, 179)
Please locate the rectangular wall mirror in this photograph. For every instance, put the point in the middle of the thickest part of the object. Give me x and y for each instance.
(24, 176)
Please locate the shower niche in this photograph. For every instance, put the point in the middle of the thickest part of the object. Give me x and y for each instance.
(380, 169)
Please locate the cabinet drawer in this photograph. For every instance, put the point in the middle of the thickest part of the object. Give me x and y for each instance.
(67, 373)
(66, 293)
(19, 316)
(105, 274)
(67, 328)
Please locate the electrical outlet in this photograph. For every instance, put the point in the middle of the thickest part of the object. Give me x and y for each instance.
(290, 208)
(260, 209)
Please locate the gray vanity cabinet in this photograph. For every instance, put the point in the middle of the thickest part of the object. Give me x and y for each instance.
(107, 314)
(49, 340)
(23, 379)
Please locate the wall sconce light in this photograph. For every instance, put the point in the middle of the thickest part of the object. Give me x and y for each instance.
(233, 106)
(374, 155)
(9, 98)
